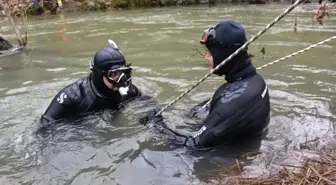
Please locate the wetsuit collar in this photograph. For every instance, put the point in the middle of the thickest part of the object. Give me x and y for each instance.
(247, 71)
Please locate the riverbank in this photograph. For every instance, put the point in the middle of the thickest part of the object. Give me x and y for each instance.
(321, 171)
(314, 165)
(111, 5)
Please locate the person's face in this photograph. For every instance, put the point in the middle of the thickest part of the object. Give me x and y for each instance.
(208, 57)
(109, 85)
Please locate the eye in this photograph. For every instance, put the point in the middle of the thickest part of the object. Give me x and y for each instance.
(114, 75)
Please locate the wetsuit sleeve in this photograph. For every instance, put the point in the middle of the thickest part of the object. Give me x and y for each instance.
(158, 123)
(197, 140)
(60, 107)
(4, 44)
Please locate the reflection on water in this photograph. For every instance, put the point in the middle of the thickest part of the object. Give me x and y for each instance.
(112, 147)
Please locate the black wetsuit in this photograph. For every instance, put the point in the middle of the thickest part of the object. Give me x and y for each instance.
(240, 107)
(82, 97)
(4, 44)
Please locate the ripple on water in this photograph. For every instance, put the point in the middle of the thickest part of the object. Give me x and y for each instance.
(2, 89)
(315, 70)
(325, 86)
(27, 82)
(186, 69)
(17, 90)
(97, 34)
(177, 82)
(286, 43)
(178, 28)
(271, 82)
(56, 69)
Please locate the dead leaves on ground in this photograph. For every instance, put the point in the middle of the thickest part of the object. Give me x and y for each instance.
(321, 12)
(319, 15)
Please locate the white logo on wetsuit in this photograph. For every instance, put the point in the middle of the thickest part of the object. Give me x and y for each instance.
(61, 98)
(200, 131)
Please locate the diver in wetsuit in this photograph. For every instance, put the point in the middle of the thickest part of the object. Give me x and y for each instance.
(4, 44)
(106, 87)
(239, 108)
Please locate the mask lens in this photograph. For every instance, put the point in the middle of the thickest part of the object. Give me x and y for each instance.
(205, 37)
(120, 76)
(114, 75)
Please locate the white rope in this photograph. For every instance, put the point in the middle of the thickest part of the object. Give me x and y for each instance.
(288, 56)
(297, 3)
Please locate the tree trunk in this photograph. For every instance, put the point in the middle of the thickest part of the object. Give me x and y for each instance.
(11, 21)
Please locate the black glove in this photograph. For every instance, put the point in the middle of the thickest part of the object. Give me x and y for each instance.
(151, 117)
(199, 111)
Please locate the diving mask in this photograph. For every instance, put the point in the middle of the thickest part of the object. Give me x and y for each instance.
(121, 78)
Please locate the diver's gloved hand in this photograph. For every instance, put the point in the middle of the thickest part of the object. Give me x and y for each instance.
(151, 117)
(200, 111)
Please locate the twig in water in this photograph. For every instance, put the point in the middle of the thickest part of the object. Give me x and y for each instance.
(31, 52)
(250, 55)
(198, 51)
(238, 165)
(321, 12)
(286, 165)
(263, 52)
(295, 26)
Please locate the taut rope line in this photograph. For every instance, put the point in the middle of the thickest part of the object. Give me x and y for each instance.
(277, 19)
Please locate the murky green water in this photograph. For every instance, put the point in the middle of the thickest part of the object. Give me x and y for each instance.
(105, 149)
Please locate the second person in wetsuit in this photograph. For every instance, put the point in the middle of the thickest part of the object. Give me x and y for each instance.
(240, 107)
(106, 87)
(4, 44)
